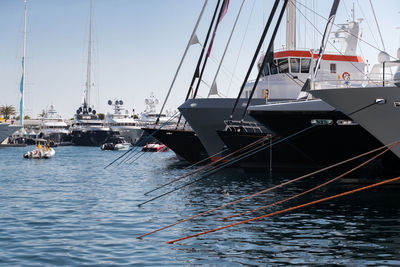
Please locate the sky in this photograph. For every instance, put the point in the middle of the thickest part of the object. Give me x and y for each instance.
(137, 46)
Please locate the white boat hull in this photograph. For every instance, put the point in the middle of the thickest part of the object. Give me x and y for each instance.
(40, 154)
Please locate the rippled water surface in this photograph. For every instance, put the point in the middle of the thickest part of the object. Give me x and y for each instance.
(69, 210)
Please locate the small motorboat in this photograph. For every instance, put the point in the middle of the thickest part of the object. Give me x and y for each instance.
(40, 152)
(116, 143)
(155, 147)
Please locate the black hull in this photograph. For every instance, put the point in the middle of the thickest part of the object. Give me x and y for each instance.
(57, 138)
(281, 157)
(184, 143)
(89, 138)
(328, 144)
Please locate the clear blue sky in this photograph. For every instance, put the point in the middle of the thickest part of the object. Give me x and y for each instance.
(138, 45)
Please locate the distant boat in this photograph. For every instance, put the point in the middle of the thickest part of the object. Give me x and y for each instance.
(7, 129)
(115, 143)
(120, 122)
(88, 129)
(53, 127)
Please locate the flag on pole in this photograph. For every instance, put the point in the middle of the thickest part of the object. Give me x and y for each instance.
(194, 40)
(222, 15)
(214, 89)
(21, 89)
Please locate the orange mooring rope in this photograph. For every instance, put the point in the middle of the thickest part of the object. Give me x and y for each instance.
(311, 189)
(262, 192)
(288, 209)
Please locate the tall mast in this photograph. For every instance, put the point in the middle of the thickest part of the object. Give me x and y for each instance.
(89, 62)
(291, 25)
(22, 86)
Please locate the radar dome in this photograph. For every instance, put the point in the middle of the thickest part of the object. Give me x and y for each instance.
(383, 56)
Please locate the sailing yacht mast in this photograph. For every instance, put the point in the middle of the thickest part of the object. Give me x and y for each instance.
(22, 86)
(291, 25)
(89, 62)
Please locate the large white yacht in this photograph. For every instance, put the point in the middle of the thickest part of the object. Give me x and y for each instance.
(121, 122)
(7, 129)
(53, 126)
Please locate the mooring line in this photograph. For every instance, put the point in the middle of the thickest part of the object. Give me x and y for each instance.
(314, 188)
(288, 209)
(207, 165)
(238, 158)
(135, 148)
(265, 190)
(203, 176)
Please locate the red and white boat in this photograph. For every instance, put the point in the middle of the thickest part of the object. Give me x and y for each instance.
(154, 147)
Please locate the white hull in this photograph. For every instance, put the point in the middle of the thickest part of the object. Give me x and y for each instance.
(7, 130)
(381, 120)
(40, 154)
(131, 134)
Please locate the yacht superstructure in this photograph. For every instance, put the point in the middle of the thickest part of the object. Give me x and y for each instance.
(121, 122)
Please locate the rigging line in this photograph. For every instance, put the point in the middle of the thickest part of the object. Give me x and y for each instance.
(221, 14)
(313, 188)
(226, 48)
(135, 149)
(141, 142)
(220, 160)
(185, 175)
(337, 50)
(376, 48)
(147, 138)
(377, 25)
(196, 71)
(241, 46)
(360, 109)
(265, 60)
(345, 8)
(204, 175)
(183, 57)
(207, 165)
(289, 209)
(366, 20)
(267, 190)
(255, 55)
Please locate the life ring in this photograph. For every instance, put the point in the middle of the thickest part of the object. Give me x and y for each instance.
(346, 76)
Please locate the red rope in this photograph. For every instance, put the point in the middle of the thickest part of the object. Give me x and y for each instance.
(311, 189)
(286, 210)
(261, 192)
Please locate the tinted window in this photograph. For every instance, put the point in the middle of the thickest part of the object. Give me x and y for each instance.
(266, 69)
(305, 65)
(274, 69)
(295, 65)
(333, 68)
(283, 65)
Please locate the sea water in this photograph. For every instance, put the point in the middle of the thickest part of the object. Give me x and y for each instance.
(69, 210)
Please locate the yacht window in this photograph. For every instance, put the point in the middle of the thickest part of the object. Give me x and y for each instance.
(283, 65)
(305, 65)
(274, 69)
(295, 65)
(266, 70)
(333, 68)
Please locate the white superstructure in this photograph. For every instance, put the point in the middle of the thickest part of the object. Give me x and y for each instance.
(120, 121)
(7, 129)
